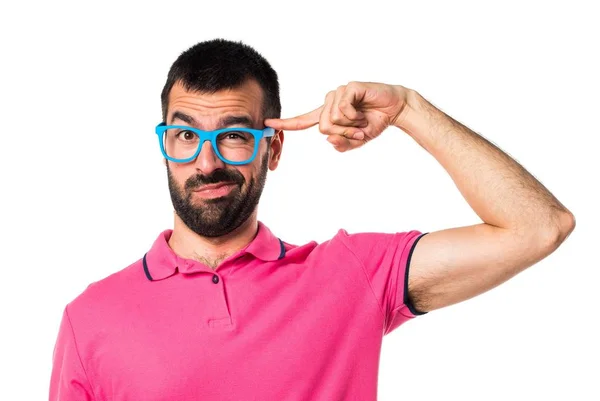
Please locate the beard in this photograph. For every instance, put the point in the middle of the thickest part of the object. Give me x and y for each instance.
(218, 216)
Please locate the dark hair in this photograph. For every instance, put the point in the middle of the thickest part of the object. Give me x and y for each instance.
(220, 64)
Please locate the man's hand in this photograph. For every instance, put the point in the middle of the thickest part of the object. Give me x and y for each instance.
(353, 114)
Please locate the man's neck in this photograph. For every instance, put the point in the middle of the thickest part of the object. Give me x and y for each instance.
(211, 251)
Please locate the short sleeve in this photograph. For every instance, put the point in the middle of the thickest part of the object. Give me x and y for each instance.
(68, 380)
(386, 261)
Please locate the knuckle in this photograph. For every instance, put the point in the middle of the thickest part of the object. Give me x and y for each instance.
(325, 126)
(344, 103)
(337, 117)
(355, 86)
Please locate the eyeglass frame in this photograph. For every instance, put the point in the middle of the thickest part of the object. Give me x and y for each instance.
(211, 136)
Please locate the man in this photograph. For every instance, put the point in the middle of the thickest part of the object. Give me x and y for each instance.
(219, 308)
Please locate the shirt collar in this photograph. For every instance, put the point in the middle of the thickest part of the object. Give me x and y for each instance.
(161, 261)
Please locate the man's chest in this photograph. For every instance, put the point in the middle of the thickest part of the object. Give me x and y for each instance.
(202, 341)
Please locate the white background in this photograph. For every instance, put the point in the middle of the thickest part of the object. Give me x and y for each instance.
(84, 190)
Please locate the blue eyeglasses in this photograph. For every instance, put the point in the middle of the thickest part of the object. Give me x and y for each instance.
(182, 144)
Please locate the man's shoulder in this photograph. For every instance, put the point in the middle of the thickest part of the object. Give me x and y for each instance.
(365, 244)
(108, 289)
(335, 244)
(346, 238)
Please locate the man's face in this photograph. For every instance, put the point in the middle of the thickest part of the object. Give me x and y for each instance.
(213, 198)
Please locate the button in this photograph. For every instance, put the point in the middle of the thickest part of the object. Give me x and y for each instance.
(215, 279)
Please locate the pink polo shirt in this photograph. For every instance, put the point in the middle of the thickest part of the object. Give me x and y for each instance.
(274, 322)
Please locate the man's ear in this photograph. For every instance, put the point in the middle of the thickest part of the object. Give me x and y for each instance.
(276, 147)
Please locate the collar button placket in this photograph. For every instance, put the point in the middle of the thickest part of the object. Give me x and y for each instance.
(222, 315)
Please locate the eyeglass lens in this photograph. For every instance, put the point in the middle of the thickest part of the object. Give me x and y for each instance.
(236, 146)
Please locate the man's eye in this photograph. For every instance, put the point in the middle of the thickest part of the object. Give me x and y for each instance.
(235, 136)
(186, 135)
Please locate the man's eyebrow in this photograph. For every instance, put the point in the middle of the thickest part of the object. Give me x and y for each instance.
(184, 117)
(226, 121)
(236, 120)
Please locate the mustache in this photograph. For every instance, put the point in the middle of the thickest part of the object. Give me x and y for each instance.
(217, 176)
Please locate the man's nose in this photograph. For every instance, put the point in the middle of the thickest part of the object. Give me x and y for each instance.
(207, 160)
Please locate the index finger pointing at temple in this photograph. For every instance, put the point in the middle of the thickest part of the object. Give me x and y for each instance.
(296, 123)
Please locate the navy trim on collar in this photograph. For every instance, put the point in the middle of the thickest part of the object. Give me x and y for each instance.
(148, 276)
(282, 251)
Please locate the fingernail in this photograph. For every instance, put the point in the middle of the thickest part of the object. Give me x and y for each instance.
(358, 135)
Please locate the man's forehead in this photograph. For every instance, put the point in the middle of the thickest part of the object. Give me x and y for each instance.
(243, 102)
(213, 121)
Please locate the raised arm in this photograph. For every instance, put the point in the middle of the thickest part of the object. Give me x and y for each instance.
(522, 221)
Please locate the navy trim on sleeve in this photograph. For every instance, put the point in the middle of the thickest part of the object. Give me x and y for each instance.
(407, 300)
(148, 276)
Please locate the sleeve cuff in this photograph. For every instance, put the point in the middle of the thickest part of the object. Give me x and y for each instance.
(407, 301)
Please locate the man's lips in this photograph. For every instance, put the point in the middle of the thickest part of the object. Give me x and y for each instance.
(215, 190)
(213, 186)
